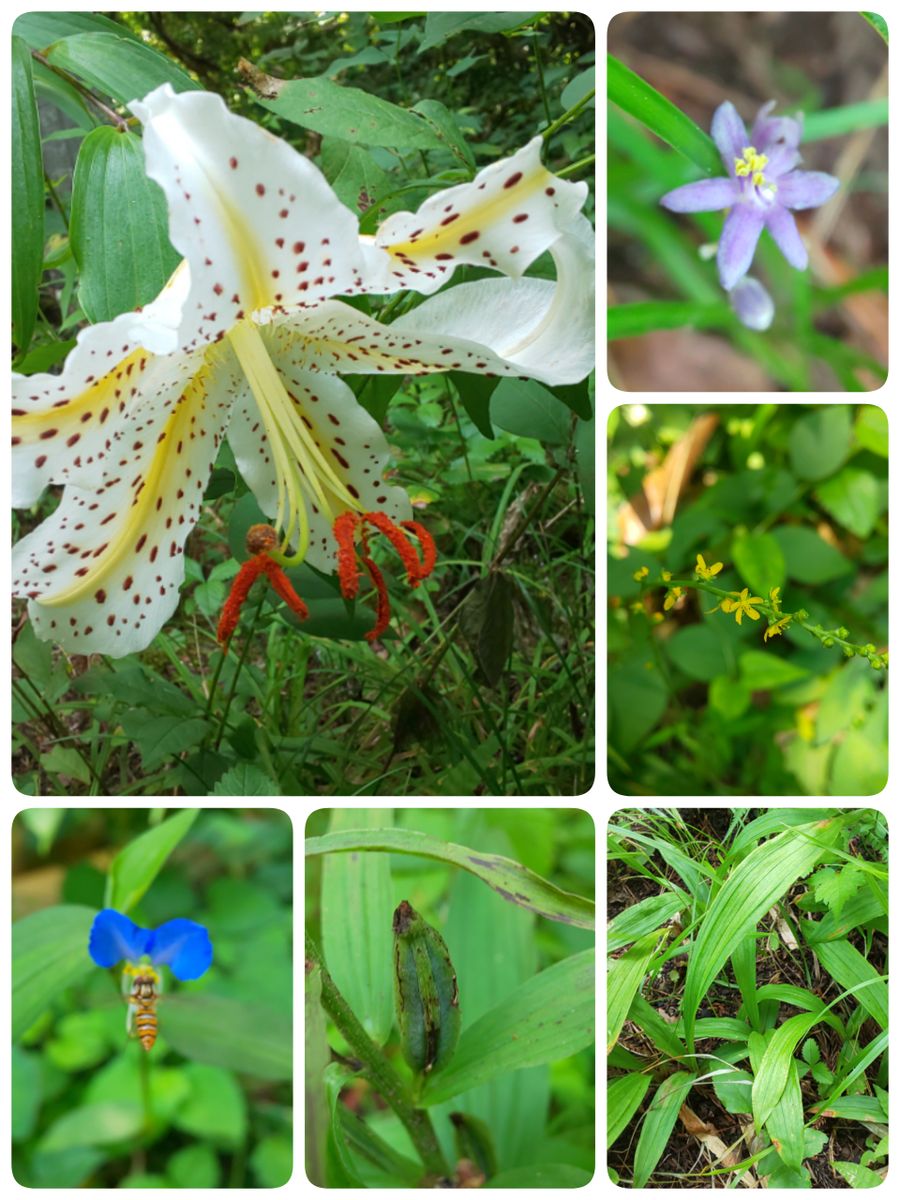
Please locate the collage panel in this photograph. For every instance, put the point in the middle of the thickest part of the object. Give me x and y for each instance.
(450, 992)
(151, 979)
(748, 600)
(747, 207)
(747, 998)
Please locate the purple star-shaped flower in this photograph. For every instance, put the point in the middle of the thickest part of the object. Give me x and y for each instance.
(760, 189)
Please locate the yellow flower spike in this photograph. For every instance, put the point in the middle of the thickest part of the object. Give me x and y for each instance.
(777, 627)
(705, 572)
(640, 573)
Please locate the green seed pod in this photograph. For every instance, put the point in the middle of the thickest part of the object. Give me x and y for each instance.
(425, 993)
(474, 1142)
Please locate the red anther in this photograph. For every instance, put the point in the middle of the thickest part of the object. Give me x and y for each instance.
(400, 542)
(283, 588)
(348, 572)
(240, 590)
(426, 541)
(383, 609)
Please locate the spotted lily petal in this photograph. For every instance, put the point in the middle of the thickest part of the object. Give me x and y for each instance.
(511, 212)
(102, 573)
(183, 945)
(258, 222)
(114, 937)
(61, 423)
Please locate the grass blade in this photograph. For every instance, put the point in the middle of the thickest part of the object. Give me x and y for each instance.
(743, 962)
(834, 122)
(642, 918)
(659, 1120)
(749, 892)
(772, 1074)
(660, 1032)
(865, 1057)
(622, 982)
(623, 1095)
(789, 993)
(631, 320)
(651, 108)
(844, 963)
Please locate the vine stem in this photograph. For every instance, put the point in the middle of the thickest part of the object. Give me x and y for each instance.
(378, 1070)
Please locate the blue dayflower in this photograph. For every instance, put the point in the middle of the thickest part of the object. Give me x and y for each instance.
(183, 945)
(760, 190)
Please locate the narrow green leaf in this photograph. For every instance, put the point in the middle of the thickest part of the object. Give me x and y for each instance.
(660, 1032)
(878, 23)
(316, 1061)
(226, 1032)
(27, 197)
(643, 917)
(743, 961)
(486, 621)
(749, 892)
(858, 1176)
(631, 320)
(446, 128)
(548, 1018)
(136, 866)
(659, 1121)
(49, 954)
(624, 977)
(357, 904)
(863, 909)
(845, 964)
(788, 993)
(40, 29)
(772, 1074)
(623, 1096)
(119, 66)
(633, 94)
(510, 879)
(118, 226)
(440, 26)
(785, 1125)
(863, 1059)
(773, 820)
(835, 122)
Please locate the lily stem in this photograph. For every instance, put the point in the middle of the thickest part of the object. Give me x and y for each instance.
(379, 1071)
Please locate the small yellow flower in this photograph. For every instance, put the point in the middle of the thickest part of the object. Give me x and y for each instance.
(640, 573)
(657, 617)
(705, 572)
(636, 606)
(741, 604)
(667, 575)
(671, 599)
(777, 627)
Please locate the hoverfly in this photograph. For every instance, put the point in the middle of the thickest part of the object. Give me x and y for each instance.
(146, 989)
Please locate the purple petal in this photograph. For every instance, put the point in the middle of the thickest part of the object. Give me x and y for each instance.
(114, 937)
(741, 231)
(783, 229)
(184, 945)
(806, 189)
(781, 160)
(770, 132)
(752, 303)
(729, 133)
(707, 195)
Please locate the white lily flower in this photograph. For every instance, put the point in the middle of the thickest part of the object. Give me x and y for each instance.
(247, 340)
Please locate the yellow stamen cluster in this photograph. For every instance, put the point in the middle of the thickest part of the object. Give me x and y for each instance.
(752, 164)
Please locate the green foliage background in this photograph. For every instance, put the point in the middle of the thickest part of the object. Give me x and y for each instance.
(219, 1076)
(488, 686)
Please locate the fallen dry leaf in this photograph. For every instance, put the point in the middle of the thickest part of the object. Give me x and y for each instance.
(722, 1155)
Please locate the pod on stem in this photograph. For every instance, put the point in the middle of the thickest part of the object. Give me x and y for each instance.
(425, 993)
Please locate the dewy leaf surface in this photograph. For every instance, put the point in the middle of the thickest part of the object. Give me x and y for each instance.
(550, 1017)
(510, 879)
(749, 892)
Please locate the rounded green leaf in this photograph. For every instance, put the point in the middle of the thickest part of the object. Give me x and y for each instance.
(528, 409)
(760, 562)
(697, 650)
(820, 442)
(729, 697)
(118, 226)
(808, 558)
(855, 498)
(49, 954)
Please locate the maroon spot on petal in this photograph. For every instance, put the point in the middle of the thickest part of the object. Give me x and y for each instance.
(111, 620)
(100, 596)
(299, 247)
(519, 218)
(76, 437)
(49, 433)
(140, 544)
(513, 180)
(337, 454)
(275, 274)
(283, 213)
(217, 288)
(550, 191)
(127, 582)
(443, 257)
(333, 419)
(469, 237)
(232, 162)
(40, 460)
(449, 220)
(352, 490)
(260, 190)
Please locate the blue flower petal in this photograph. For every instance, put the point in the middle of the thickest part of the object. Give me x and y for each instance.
(183, 945)
(114, 937)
